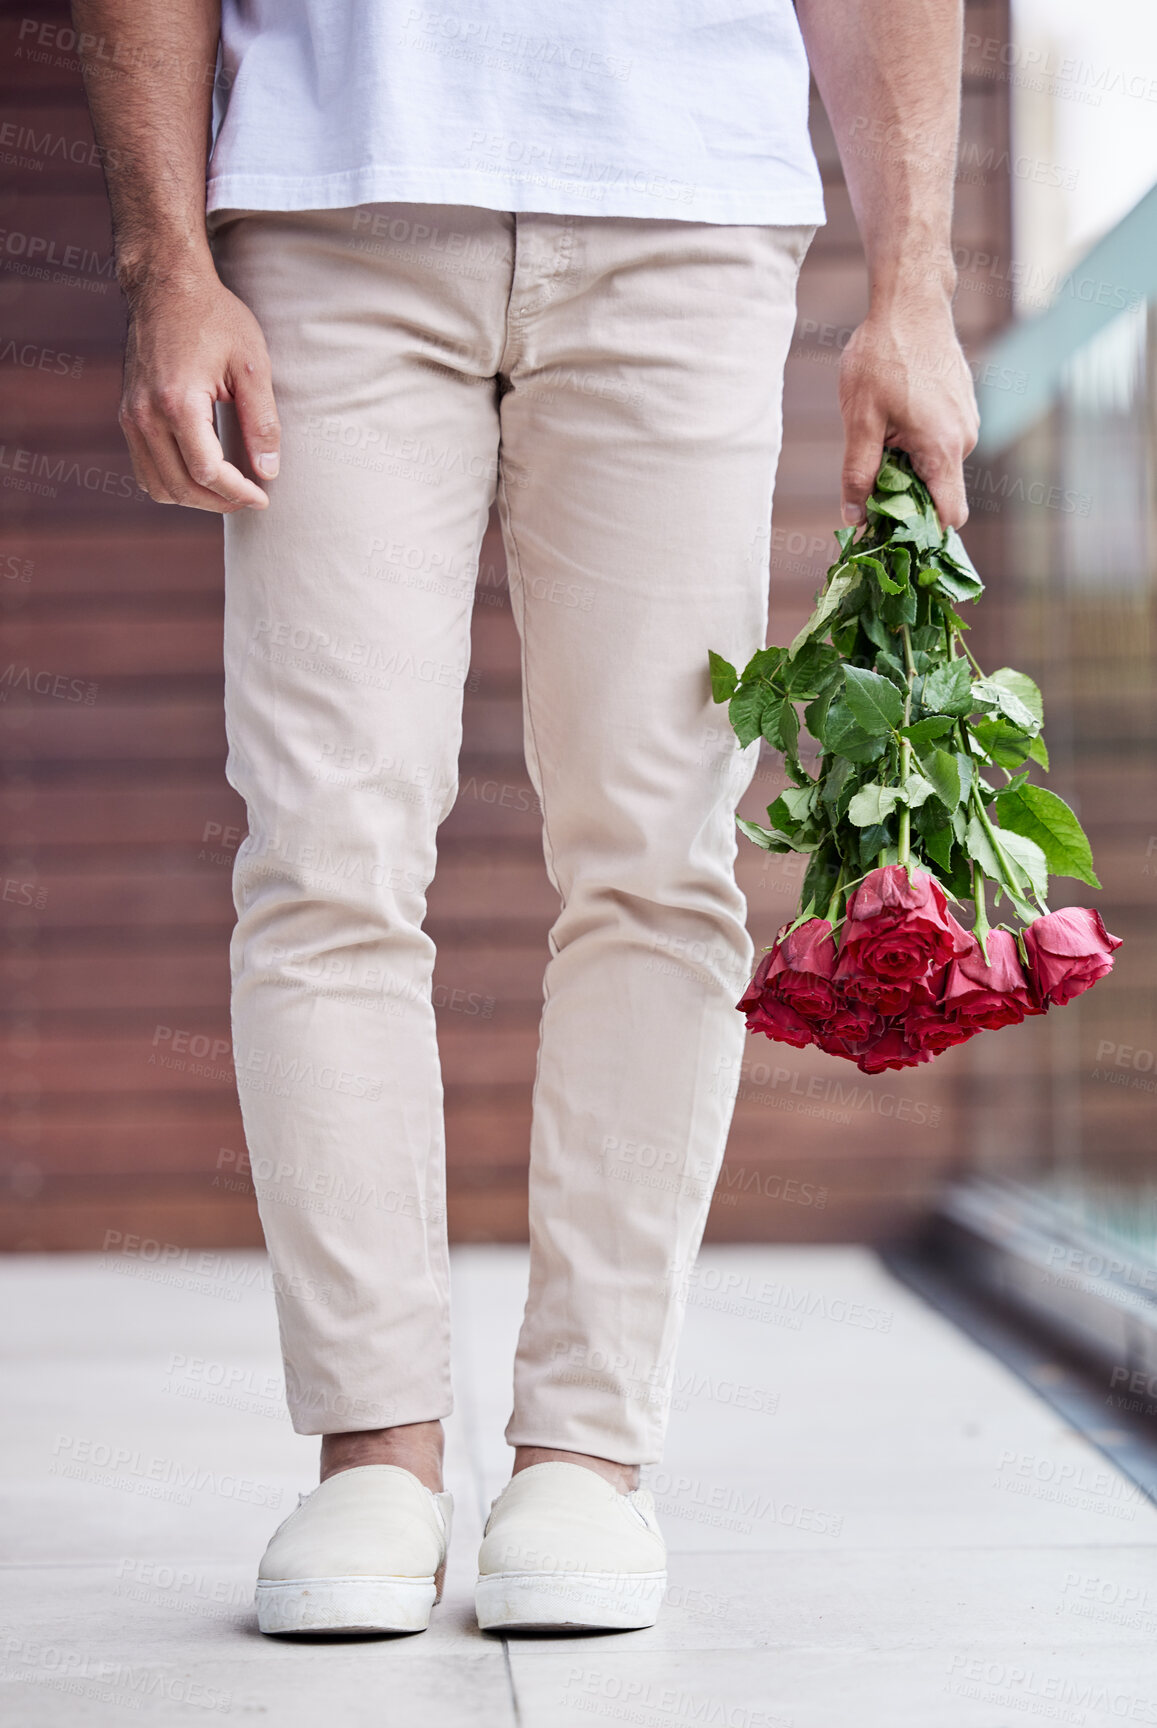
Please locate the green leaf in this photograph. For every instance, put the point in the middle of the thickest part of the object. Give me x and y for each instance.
(925, 730)
(872, 840)
(942, 771)
(819, 878)
(900, 608)
(815, 714)
(989, 695)
(876, 631)
(955, 551)
(1039, 815)
(844, 736)
(764, 663)
(865, 561)
(833, 596)
(1015, 884)
(1023, 687)
(964, 765)
(844, 538)
(875, 702)
(789, 729)
(792, 810)
(923, 533)
(1038, 752)
(770, 720)
(745, 711)
(724, 677)
(901, 507)
(900, 559)
(892, 479)
(1004, 743)
(917, 791)
(938, 846)
(872, 804)
(1030, 857)
(765, 838)
(948, 690)
(806, 673)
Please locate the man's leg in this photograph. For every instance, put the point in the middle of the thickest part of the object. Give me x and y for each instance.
(346, 648)
(639, 447)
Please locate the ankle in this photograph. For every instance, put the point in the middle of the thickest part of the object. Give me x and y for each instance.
(623, 1476)
(414, 1446)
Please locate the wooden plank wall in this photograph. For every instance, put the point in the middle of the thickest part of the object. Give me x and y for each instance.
(118, 1111)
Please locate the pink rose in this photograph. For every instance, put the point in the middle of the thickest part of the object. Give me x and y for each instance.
(984, 997)
(1067, 952)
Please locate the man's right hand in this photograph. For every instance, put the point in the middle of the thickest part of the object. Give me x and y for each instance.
(191, 344)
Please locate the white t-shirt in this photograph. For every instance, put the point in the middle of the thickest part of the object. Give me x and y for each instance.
(693, 109)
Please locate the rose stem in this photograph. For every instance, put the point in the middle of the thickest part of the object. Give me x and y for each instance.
(904, 842)
(834, 902)
(981, 928)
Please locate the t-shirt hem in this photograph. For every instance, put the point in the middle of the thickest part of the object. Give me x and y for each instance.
(350, 188)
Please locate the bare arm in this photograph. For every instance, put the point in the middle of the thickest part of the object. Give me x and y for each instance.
(889, 75)
(191, 343)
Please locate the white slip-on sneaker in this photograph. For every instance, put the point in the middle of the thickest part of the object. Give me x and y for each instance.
(564, 1550)
(365, 1552)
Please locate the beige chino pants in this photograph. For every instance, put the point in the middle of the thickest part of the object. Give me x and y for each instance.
(616, 384)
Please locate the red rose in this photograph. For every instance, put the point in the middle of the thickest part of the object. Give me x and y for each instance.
(897, 931)
(801, 971)
(879, 995)
(985, 997)
(779, 1022)
(928, 1029)
(890, 1050)
(1067, 952)
(852, 1025)
(792, 988)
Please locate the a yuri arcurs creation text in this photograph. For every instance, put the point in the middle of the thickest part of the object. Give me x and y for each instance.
(922, 795)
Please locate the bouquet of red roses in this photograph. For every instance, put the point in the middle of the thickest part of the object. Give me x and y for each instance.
(902, 814)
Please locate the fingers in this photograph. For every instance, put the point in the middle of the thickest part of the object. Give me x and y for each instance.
(942, 471)
(177, 456)
(864, 427)
(195, 435)
(257, 418)
(939, 447)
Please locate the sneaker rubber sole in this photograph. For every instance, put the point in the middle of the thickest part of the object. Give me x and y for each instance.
(568, 1601)
(345, 1604)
